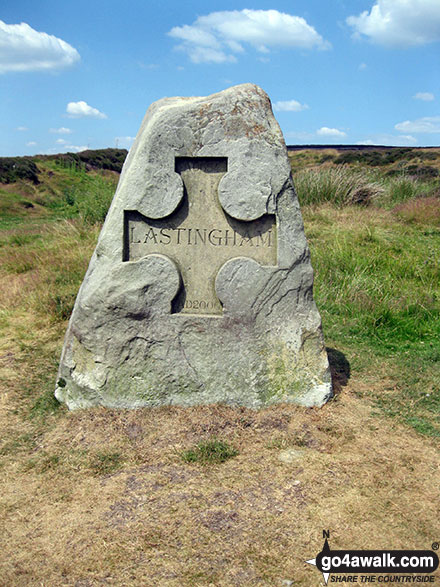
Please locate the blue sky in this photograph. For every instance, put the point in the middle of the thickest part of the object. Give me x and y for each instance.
(77, 75)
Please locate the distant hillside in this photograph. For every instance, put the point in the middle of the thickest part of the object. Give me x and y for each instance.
(16, 168)
(19, 168)
(352, 147)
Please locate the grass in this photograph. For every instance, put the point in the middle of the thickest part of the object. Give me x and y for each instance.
(378, 290)
(422, 211)
(84, 195)
(45, 404)
(126, 497)
(153, 519)
(378, 272)
(342, 185)
(105, 463)
(209, 452)
(339, 185)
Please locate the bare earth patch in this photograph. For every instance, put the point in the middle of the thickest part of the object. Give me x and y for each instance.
(253, 520)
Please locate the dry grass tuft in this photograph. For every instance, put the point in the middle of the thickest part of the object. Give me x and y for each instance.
(420, 211)
(339, 186)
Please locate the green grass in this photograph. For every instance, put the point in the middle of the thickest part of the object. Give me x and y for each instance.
(64, 190)
(209, 452)
(378, 272)
(105, 463)
(378, 290)
(44, 405)
(82, 194)
(375, 242)
(22, 443)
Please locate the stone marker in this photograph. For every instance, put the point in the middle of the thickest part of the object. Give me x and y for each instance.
(200, 287)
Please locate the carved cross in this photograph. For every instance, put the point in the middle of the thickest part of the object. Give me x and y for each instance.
(199, 236)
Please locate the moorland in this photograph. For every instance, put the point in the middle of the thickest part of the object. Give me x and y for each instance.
(216, 495)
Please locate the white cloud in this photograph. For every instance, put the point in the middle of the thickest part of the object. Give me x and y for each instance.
(362, 66)
(324, 131)
(390, 140)
(31, 144)
(61, 141)
(66, 149)
(425, 96)
(22, 128)
(74, 148)
(61, 131)
(428, 124)
(82, 110)
(289, 106)
(208, 55)
(219, 36)
(24, 49)
(399, 23)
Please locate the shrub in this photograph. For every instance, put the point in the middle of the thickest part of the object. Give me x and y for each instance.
(112, 159)
(15, 168)
(431, 156)
(376, 158)
(422, 171)
(338, 186)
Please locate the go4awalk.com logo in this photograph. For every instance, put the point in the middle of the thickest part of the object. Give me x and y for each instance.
(376, 566)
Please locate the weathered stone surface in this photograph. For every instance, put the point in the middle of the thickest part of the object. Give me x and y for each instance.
(291, 455)
(200, 287)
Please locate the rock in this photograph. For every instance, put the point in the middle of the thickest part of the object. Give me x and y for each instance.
(291, 455)
(200, 287)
